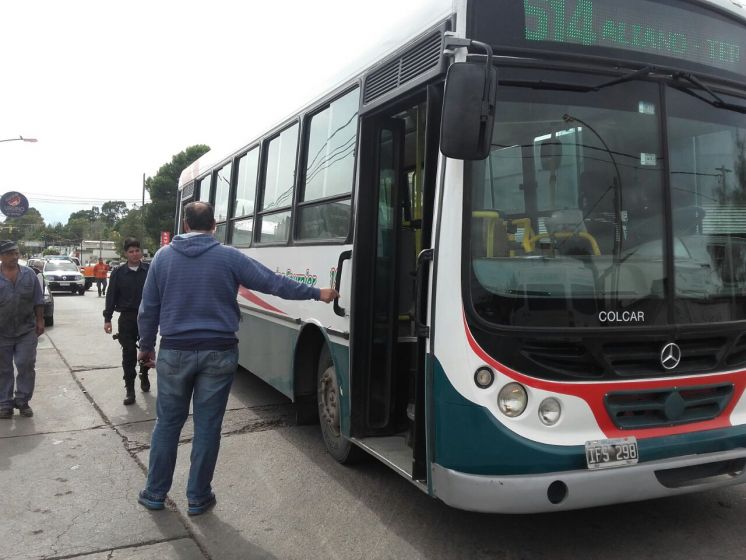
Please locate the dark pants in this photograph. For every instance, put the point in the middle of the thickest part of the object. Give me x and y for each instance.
(101, 285)
(22, 351)
(128, 337)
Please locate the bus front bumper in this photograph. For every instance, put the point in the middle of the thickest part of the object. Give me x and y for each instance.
(588, 488)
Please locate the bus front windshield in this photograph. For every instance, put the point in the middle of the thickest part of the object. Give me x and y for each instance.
(568, 216)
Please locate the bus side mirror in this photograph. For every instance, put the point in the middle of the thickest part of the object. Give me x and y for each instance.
(468, 110)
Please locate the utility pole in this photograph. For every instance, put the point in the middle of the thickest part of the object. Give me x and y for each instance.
(142, 213)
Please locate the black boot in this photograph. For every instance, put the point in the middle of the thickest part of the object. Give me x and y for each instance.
(144, 382)
(130, 396)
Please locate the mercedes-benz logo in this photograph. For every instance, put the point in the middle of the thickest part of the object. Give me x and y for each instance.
(670, 355)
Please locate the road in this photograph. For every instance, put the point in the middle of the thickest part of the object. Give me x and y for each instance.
(71, 474)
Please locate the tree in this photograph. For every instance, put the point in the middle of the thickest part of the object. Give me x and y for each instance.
(113, 211)
(29, 226)
(159, 214)
(130, 225)
(89, 215)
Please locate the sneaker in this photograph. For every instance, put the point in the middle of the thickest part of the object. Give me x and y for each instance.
(25, 410)
(6, 413)
(150, 503)
(199, 509)
(144, 382)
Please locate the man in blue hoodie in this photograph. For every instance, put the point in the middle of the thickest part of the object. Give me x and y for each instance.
(190, 292)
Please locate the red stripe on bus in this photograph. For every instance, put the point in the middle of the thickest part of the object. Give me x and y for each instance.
(256, 300)
(594, 393)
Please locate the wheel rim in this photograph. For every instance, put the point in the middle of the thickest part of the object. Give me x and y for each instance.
(329, 400)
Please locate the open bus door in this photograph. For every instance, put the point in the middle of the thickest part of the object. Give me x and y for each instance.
(399, 151)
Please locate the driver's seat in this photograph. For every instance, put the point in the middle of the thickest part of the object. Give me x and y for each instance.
(567, 228)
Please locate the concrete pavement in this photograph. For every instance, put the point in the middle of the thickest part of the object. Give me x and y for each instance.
(69, 482)
(71, 473)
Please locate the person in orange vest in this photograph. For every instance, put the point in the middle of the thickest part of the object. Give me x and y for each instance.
(99, 272)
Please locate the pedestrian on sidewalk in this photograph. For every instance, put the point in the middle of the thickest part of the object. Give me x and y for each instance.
(124, 295)
(21, 325)
(191, 294)
(99, 272)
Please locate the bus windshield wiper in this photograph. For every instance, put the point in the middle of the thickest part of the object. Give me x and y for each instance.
(563, 86)
(716, 100)
(642, 72)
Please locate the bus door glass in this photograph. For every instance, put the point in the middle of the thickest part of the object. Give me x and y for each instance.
(389, 150)
(398, 148)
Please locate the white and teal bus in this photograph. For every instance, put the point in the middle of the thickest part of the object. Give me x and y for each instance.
(535, 214)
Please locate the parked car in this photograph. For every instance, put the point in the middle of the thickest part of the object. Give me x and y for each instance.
(64, 276)
(48, 298)
(36, 263)
(48, 304)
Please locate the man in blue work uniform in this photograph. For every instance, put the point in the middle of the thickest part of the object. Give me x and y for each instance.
(21, 325)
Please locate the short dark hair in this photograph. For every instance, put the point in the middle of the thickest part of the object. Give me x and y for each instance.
(199, 216)
(131, 242)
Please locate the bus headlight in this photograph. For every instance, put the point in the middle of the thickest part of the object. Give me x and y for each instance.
(550, 411)
(512, 400)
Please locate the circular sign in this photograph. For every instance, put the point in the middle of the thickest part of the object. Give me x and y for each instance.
(13, 204)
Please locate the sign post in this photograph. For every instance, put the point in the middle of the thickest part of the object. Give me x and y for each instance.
(13, 204)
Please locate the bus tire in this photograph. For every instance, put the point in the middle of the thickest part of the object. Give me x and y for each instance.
(339, 447)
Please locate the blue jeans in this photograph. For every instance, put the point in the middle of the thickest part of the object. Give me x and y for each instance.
(22, 351)
(206, 376)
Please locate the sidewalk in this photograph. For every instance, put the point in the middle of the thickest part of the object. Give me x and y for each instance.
(72, 484)
(70, 475)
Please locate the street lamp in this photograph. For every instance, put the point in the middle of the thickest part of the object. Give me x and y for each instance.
(21, 138)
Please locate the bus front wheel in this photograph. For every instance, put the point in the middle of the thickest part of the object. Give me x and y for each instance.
(327, 392)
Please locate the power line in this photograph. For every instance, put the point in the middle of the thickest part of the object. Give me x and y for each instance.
(47, 197)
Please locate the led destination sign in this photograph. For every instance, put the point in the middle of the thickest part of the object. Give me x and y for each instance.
(649, 29)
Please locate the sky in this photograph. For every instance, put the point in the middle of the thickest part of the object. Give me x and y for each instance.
(112, 90)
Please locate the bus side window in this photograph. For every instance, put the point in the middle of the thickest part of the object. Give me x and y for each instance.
(329, 171)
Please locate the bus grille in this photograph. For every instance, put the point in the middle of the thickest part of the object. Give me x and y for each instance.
(629, 357)
(643, 356)
(737, 356)
(667, 407)
(569, 358)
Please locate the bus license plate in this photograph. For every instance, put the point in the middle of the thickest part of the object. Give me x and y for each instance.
(610, 453)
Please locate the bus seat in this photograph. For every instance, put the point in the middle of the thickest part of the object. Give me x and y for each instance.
(489, 234)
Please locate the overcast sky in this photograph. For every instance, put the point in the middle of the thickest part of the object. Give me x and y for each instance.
(114, 90)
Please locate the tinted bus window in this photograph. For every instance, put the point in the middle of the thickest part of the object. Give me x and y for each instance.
(330, 165)
(329, 170)
(247, 165)
(222, 193)
(280, 177)
(204, 189)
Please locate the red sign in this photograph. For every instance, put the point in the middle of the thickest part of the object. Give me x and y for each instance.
(165, 238)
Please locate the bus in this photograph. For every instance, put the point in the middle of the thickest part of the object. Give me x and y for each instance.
(535, 215)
